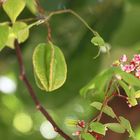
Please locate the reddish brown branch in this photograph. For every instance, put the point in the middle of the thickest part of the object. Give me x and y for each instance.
(49, 37)
(38, 105)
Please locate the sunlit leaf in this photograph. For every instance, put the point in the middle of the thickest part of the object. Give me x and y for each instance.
(49, 66)
(132, 101)
(71, 122)
(137, 94)
(107, 110)
(128, 77)
(19, 31)
(4, 32)
(31, 4)
(13, 8)
(116, 127)
(98, 128)
(125, 87)
(87, 136)
(98, 41)
(130, 93)
(101, 78)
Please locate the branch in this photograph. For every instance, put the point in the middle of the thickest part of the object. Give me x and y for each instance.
(38, 105)
(73, 13)
(105, 102)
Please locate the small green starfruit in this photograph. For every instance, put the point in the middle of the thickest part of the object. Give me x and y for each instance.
(49, 66)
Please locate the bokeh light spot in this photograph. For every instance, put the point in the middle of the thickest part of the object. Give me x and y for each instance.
(47, 130)
(23, 122)
(7, 85)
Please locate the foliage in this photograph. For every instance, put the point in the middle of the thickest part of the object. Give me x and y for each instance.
(50, 67)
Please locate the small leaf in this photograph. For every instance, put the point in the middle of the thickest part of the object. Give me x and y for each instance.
(98, 128)
(20, 31)
(101, 78)
(49, 66)
(130, 93)
(107, 110)
(137, 94)
(131, 79)
(132, 101)
(116, 127)
(98, 41)
(71, 122)
(31, 4)
(4, 32)
(87, 136)
(125, 87)
(13, 8)
(126, 124)
(128, 77)
(11, 38)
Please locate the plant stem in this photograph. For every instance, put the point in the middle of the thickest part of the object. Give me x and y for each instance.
(47, 18)
(73, 13)
(106, 100)
(38, 105)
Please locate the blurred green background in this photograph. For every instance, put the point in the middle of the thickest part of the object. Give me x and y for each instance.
(118, 21)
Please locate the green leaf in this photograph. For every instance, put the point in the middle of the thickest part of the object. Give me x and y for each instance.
(132, 101)
(31, 4)
(98, 41)
(11, 38)
(137, 94)
(20, 31)
(126, 124)
(71, 122)
(116, 127)
(125, 87)
(107, 110)
(4, 32)
(130, 93)
(49, 66)
(101, 78)
(13, 8)
(128, 77)
(98, 128)
(87, 136)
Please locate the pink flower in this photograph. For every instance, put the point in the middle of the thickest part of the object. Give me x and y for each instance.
(123, 58)
(81, 123)
(138, 68)
(77, 133)
(128, 68)
(129, 105)
(136, 58)
(137, 73)
(133, 66)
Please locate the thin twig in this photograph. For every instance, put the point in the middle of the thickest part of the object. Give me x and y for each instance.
(73, 13)
(42, 14)
(49, 37)
(28, 19)
(106, 100)
(38, 105)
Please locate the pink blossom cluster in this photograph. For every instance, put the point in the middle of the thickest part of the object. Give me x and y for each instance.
(81, 124)
(132, 66)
